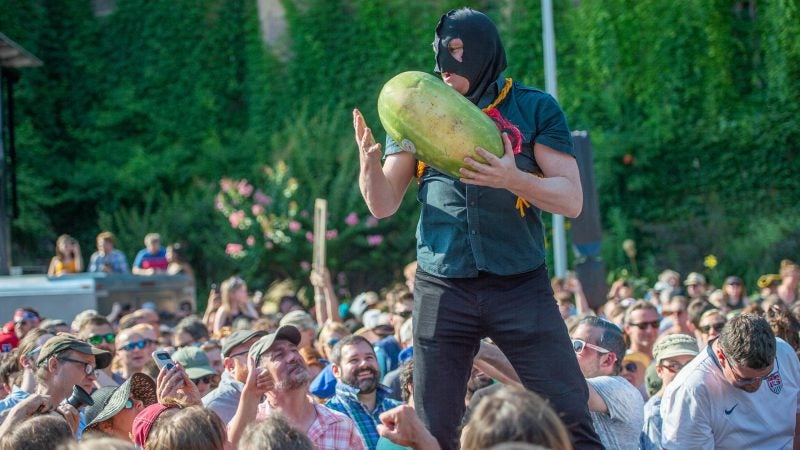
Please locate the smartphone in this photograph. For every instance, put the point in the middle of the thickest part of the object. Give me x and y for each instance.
(163, 359)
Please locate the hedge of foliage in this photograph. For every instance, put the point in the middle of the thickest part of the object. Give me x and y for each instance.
(137, 115)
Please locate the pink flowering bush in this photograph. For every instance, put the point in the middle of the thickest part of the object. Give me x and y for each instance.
(273, 228)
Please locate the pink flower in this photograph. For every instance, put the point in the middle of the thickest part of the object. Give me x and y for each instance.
(309, 236)
(305, 265)
(374, 240)
(262, 198)
(372, 221)
(225, 184)
(218, 204)
(294, 226)
(257, 209)
(351, 219)
(236, 218)
(269, 245)
(244, 188)
(251, 240)
(234, 249)
(331, 234)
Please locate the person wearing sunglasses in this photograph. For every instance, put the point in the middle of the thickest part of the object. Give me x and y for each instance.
(634, 367)
(615, 405)
(642, 324)
(225, 398)
(710, 325)
(133, 351)
(115, 408)
(741, 391)
(197, 366)
(671, 353)
(98, 332)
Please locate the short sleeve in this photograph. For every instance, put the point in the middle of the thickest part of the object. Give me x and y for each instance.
(391, 147)
(686, 423)
(624, 405)
(551, 126)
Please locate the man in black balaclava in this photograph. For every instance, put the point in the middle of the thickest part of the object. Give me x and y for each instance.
(480, 239)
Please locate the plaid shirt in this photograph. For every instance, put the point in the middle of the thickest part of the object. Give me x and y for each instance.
(346, 401)
(331, 430)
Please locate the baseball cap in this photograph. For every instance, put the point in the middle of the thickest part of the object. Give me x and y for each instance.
(373, 318)
(363, 301)
(285, 332)
(8, 342)
(65, 341)
(108, 401)
(299, 319)
(144, 421)
(194, 361)
(238, 338)
(674, 345)
(694, 278)
(733, 280)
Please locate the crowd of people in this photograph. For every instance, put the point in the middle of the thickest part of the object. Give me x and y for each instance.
(683, 366)
(153, 259)
(469, 353)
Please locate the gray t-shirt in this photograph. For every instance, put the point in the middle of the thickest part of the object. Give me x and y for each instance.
(225, 398)
(621, 426)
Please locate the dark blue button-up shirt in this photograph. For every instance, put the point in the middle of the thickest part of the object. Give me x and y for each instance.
(465, 229)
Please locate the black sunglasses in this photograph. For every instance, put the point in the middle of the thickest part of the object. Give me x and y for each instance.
(630, 367)
(644, 325)
(206, 379)
(716, 326)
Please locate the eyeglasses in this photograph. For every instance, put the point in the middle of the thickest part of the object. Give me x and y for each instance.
(630, 367)
(404, 314)
(139, 344)
(98, 339)
(87, 367)
(673, 366)
(332, 342)
(739, 381)
(716, 326)
(579, 345)
(644, 325)
(206, 379)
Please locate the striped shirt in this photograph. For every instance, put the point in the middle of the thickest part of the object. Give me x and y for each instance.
(346, 401)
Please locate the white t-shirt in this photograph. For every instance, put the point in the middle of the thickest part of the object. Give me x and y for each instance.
(702, 410)
(621, 427)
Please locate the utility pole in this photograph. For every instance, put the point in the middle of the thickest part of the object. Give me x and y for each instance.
(12, 57)
(551, 86)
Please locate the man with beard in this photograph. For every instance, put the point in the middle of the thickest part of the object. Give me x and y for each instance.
(480, 238)
(741, 391)
(358, 393)
(276, 370)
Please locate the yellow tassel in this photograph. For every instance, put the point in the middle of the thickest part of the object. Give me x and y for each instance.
(521, 205)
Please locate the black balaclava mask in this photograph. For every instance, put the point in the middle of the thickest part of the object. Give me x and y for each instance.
(484, 57)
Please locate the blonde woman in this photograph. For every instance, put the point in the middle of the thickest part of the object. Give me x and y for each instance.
(68, 257)
(235, 303)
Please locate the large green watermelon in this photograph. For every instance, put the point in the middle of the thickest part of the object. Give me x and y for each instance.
(436, 123)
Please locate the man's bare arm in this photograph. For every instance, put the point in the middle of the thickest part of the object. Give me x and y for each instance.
(382, 187)
(558, 190)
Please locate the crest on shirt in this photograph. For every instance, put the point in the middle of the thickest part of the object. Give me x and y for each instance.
(6, 348)
(775, 383)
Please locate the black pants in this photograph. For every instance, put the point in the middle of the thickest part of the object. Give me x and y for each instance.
(519, 313)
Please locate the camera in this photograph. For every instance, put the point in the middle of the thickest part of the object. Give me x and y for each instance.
(79, 398)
